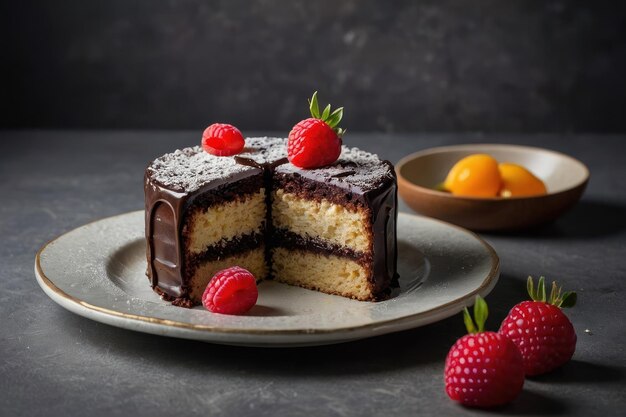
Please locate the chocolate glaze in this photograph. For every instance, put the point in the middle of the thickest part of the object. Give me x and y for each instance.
(241, 188)
(262, 164)
(165, 216)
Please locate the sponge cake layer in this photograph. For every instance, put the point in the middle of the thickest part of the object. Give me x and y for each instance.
(323, 219)
(326, 273)
(206, 227)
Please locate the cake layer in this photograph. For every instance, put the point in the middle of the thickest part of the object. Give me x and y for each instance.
(208, 226)
(322, 219)
(225, 249)
(326, 273)
(253, 261)
(286, 239)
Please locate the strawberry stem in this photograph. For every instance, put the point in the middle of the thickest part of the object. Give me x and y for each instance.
(557, 297)
(326, 112)
(314, 107)
(332, 119)
(541, 287)
(481, 312)
(469, 323)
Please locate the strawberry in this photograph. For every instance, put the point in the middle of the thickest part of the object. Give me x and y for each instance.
(543, 334)
(222, 139)
(483, 369)
(316, 142)
(231, 291)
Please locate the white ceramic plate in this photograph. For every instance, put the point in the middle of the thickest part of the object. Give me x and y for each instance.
(98, 271)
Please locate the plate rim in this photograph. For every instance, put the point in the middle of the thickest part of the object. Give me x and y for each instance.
(79, 305)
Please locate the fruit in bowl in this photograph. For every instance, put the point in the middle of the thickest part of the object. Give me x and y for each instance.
(475, 175)
(520, 200)
(480, 175)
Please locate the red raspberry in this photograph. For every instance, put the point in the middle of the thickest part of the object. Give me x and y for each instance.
(222, 140)
(543, 334)
(483, 369)
(316, 142)
(231, 291)
(313, 144)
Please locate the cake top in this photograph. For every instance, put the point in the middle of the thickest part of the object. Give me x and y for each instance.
(355, 168)
(189, 169)
(264, 150)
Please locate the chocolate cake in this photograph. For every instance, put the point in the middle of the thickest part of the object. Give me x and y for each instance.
(330, 229)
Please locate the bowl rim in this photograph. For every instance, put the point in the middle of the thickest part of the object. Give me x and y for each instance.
(447, 148)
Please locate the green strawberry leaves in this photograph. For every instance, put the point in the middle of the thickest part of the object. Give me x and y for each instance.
(326, 112)
(314, 106)
(481, 312)
(568, 299)
(557, 298)
(332, 119)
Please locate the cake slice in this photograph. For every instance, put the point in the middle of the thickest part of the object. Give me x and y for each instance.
(206, 213)
(334, 227)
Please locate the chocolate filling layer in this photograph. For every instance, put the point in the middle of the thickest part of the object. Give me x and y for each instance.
(286, 239)
(223, 249)
(228, 247)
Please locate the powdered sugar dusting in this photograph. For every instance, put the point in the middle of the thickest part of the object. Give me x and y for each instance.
(265, 150)
(188, 169)
(354, 167)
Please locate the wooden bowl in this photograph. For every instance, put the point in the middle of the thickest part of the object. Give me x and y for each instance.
(564, 176)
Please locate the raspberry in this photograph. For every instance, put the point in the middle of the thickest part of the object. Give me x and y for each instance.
(316, 142)
(483, 369)
(221, 139)
(543, 334)
(231, 291)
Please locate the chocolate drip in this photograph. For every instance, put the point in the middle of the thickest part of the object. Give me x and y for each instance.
(385, 251)
(165, 215)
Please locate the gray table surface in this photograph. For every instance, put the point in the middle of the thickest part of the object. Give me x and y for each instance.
(56, 363)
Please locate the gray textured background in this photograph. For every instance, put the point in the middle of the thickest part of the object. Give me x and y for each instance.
(484, 65)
